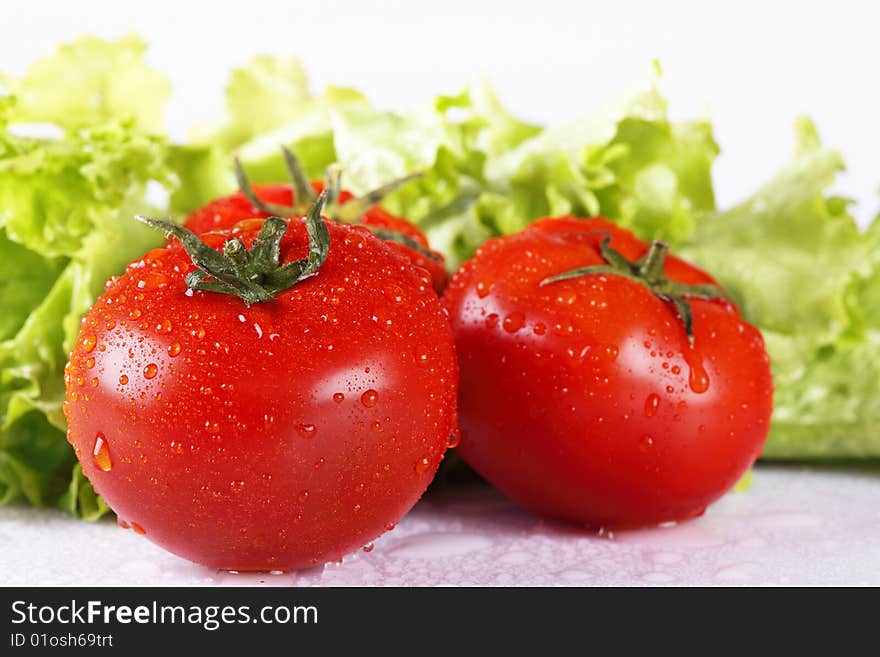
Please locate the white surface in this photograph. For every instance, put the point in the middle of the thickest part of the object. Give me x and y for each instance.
(752, 65)
(794, 526)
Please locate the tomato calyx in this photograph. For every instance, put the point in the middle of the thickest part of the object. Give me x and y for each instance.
(253, 275)
(351, 211)
(648, 271)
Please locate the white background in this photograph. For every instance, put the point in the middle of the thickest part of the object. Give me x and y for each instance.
(751, 66)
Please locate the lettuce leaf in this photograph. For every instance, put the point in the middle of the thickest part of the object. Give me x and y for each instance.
(795, 261)
(66, 206)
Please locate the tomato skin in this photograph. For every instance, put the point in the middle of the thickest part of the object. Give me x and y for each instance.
(278, 436)
(225, 212)
(582, 400)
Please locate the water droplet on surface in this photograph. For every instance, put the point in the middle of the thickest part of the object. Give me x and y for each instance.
(123, 380)
(88, 343)
(101, 453)
(174, 349)
(698, 379)
(368, 547)
(540, 329)
(164, 326)
(513, 322)
(122, 524)
(306, 430)
(303, 495)
(454, 439)
(151, 370)
(483, 289)
(90, 363)
(198, 333)
(137, 529)
(421, 354)
(646, 444)
(422, 465)
(652, 403)
(369, 398)
(338, 397)
(491, 320)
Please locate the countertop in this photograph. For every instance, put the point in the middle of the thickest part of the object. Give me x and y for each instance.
(795, 525)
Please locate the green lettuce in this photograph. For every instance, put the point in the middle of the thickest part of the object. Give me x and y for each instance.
(795, 261)
(66, 202)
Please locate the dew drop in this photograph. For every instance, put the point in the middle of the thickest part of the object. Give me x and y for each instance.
(369, 398)
(491, 320)
(513, 322)
(90, 362)
(306, 430)
(137, 529)
(88, 343)
(101, 453)
(646, 444)
(368, 547)
(174, 349)
(122, 524)
(422, 465)
(539, 329)
(338, 397)
(483, 289)
(454, 439)
(164, 326)
(698, 379)
(150, 371)
(198, 333)
(123, 380)
(652, 403)
(421, 353)
(303, 495)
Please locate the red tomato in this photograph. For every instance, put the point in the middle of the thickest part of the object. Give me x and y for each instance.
(582, 399)
(275, 436)
(225, 212)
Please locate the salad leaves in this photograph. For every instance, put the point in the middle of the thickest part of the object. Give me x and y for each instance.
(65, 207)
(791, 255)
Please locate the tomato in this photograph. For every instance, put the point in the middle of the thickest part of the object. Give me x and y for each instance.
(270, 436)
(281, 200)
(582, 397)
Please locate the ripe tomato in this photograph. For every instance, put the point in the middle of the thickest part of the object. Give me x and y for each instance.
(272, 436)
(282, 200)
(582, 397)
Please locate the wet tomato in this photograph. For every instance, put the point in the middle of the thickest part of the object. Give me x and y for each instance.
(292, 199)
(603, 382)
(275, 435)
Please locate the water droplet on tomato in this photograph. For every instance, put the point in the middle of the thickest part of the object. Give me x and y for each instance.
(122, 524)
(422, 465)
(540, 329)
(483, 289)
(307, 430)
(646, 444)
(151, 370)
(389, 526)
(338, 397)
(454, 439)
(88, 343)
(153, 280)
(101, 453)
(421, 353)
(90, 363)
(491, 320)
(368, 547)
(164, 326)
(652, 403)
(698, 379)
(369, 398)
(134, 313)
(513, 322)
(198, 333)
(123, 380)
(303, 495)
(137, 529)
(174, 349)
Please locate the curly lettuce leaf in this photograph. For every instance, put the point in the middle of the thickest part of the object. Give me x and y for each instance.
(92, 81)
(66, 206)
(795, 261)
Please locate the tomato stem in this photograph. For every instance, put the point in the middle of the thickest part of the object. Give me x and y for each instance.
(254, 275)
(649, 272)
